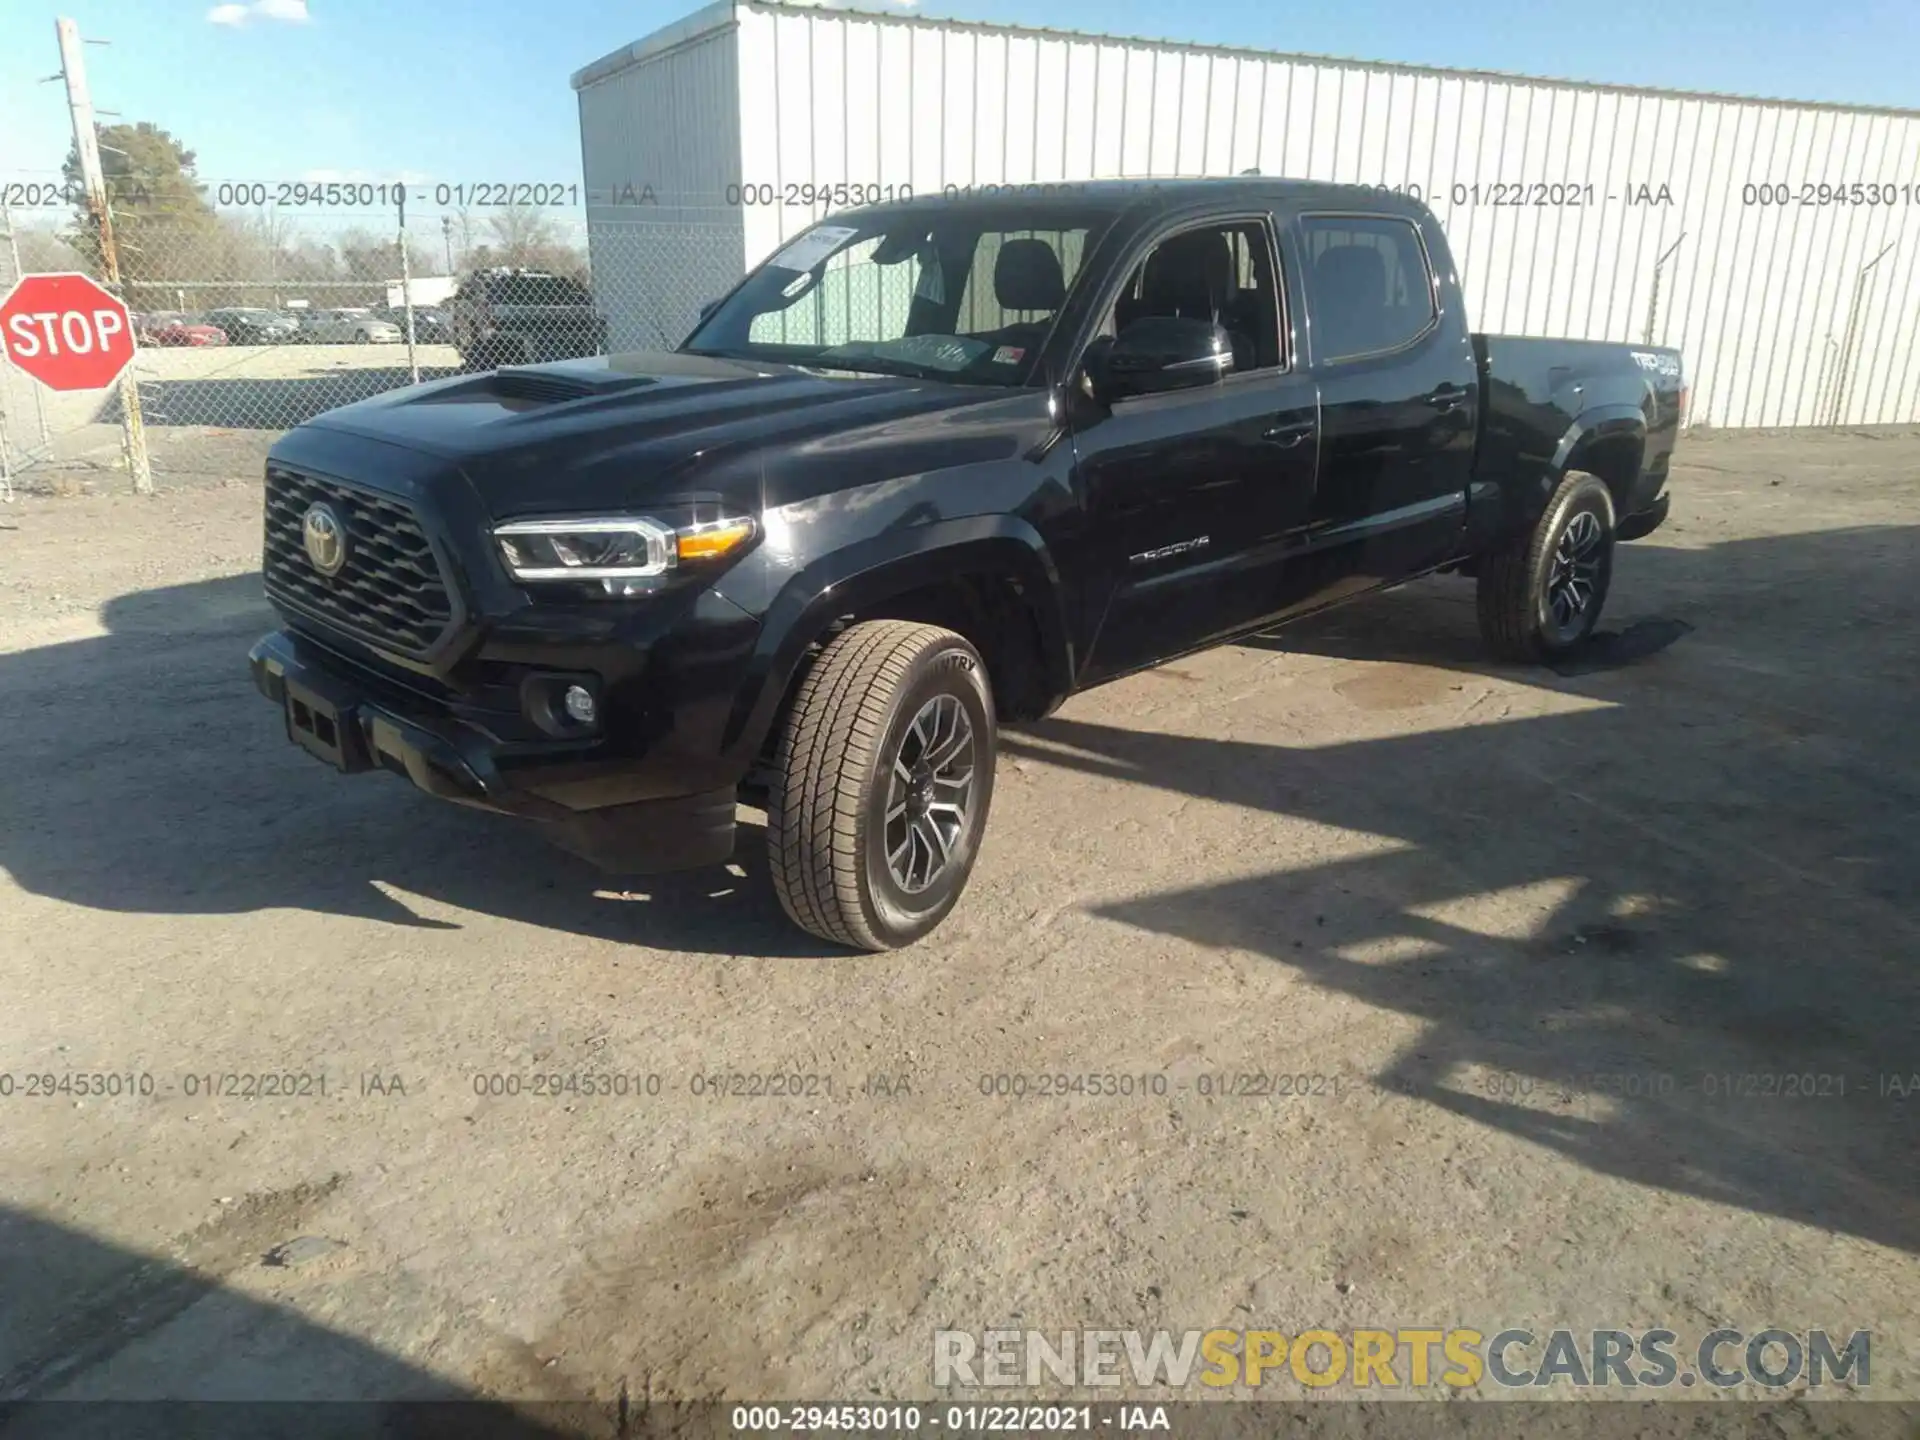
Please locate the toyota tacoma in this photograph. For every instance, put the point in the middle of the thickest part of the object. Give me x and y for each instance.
(931, 468)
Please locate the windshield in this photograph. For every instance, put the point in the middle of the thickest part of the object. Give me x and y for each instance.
(950, 296)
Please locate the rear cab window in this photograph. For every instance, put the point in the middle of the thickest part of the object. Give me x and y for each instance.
(1369, 284)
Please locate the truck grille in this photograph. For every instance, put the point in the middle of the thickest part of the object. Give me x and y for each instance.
(390, 593)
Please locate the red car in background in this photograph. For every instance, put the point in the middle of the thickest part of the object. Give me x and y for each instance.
(171, 328)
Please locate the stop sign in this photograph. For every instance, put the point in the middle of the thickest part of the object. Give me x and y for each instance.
(66, 332)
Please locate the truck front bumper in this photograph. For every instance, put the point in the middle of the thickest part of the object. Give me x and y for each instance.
(355, 724)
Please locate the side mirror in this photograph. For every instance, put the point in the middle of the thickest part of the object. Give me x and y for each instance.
(1158, 353)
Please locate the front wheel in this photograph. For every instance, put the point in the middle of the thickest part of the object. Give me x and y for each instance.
(884, 775)
(1541, 596)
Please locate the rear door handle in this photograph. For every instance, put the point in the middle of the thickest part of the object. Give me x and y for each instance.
(1287, 436)
(1445, 400)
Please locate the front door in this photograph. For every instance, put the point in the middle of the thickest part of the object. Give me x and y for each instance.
(1195, 495)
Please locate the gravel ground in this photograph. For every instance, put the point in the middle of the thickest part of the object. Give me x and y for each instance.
(1528, 929)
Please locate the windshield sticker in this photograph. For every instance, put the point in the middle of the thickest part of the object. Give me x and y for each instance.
(1009, 355)
(942, 353)
(932, 288)
(813, 247)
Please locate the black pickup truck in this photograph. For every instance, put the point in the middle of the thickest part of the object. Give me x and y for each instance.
(932, 467)
(508, 316)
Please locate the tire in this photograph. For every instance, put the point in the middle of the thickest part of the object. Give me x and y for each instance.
(362, 338)
(1540, 597)
(880, 697)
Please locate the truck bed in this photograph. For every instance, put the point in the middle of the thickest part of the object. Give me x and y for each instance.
(1543, 396)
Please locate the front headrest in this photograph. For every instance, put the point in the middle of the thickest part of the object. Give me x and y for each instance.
(1027, 276)
(1191, 274)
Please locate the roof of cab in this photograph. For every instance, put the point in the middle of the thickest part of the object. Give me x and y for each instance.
(1145, 193)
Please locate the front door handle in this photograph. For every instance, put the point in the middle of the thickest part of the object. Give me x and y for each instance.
(1447, 399)
(1287, 436)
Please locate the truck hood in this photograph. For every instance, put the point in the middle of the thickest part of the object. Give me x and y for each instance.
(622, 429)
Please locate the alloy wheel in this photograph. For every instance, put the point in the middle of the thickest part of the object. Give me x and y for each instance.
(929, 794)
(1574, 578)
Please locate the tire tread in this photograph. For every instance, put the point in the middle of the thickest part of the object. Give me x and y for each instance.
(1504, 596)
(815, 828)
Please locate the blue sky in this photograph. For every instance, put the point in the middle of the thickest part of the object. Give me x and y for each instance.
(477, 89)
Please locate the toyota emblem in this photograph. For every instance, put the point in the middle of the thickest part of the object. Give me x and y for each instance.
(325, 538)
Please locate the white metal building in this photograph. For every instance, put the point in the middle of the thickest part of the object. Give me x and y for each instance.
(1777, 243)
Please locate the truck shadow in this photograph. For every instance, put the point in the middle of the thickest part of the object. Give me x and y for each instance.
(1431, 622)
(160, 782)
(1669, 932)
(105, 1344)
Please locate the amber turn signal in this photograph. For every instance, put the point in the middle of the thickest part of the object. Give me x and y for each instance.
(711, 542)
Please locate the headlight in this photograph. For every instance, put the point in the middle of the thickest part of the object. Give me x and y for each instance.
(615, 550)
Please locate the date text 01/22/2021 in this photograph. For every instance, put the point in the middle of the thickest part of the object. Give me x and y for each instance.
(896, 1419)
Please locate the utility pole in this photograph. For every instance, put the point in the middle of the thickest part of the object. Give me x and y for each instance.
(446, 233)
(86, 145)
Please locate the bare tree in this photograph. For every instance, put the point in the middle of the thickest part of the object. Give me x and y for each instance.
(520, 232)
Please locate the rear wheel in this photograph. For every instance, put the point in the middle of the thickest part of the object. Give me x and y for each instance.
(1541, 596)
(884, 775)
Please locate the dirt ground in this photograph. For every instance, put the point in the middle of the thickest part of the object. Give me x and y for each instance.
(1532, 930)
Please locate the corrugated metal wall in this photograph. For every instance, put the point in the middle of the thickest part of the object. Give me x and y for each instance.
(659, 142)
(1775, 243)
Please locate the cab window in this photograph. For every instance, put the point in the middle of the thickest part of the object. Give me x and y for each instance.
(1369, 287)
(1221, 272)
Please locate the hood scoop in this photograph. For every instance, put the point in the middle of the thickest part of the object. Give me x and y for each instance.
(541, 386)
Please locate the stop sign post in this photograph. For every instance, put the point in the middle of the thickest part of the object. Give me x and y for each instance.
(66, 332)
(70, 334)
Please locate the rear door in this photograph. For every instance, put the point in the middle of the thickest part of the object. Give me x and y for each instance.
(1193, 495)
(1398, 388)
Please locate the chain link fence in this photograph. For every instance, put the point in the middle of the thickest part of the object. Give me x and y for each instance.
(247, 326)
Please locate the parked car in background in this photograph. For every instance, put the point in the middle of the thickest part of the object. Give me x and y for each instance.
(352, 327)
(171, 327)
(430, 323)
(433, 326)
(519, 317)
(252, 325)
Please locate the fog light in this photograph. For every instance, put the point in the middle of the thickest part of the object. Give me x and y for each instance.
(579, 705)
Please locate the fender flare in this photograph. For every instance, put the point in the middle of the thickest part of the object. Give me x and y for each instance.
(1502, 509)
(893, 563)
(1603, 422)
